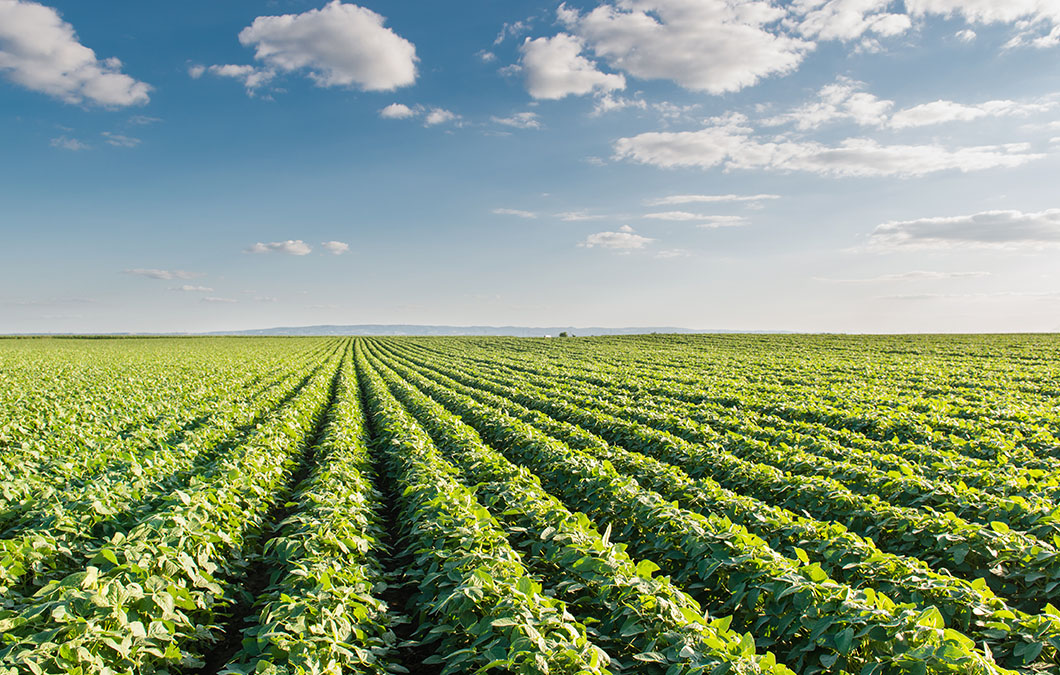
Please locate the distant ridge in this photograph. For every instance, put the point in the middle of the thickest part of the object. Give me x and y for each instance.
(513, 331)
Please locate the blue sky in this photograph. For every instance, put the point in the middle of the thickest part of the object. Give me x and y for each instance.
(816, 165)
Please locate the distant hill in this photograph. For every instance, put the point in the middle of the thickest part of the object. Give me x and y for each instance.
(411, 329)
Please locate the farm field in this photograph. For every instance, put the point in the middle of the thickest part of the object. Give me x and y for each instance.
(639, 504)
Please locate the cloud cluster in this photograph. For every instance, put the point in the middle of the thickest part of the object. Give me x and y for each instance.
(720, 46)
(845, 100)
(985, 229)
(431, 116)
(40, 51)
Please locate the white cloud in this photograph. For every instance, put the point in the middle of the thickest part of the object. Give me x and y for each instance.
(555, 68)
(707, 199)
(988, 11)
(621, 241)
(67, 143)
(211, 298)
(577, 216)
(338, 45)
(625, 228)
(513, 29)
(985, 229)
(486, 56)
(608, 103)
(841, 100)
(848, 19)
(120, 140)
(522, 120)
(515, 212)
(439, 116)
(252, 77)
(673, 253)
(714, 222)
(674, 215)
(915, 275)
(336, 247)
(966, 35)
(188, 288)
(731, 144)
(143, 120)
(40, 51)
(715, 46)
(195, 71)
(160, 274)
(397, 111)
(938, 112)
(290, 247)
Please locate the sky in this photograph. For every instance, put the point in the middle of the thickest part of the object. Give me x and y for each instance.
(812, 165)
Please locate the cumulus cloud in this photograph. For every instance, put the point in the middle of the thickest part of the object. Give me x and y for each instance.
(159, 274)
(397, 111)
(985, 229)
(555, 68)
(515, 212)
(67, 143)
(431, 116)
(621, 241)
(522, 120)
(707, 199)
(336, 247)
(40, 51)
(730, 143)
(338, 45)
(290, 247)
(715, 46)
(439, 116)
(966, 35)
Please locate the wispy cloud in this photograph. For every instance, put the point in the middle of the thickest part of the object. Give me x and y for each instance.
(985, 229)
(289, 247)
(674, 200)
(120, 140)
(215, 299)
(915, 275)
(188, 288)
(578, 216)
(514, 212)
(336, 247)
(522, 120)
(67, 143)
(159, 274)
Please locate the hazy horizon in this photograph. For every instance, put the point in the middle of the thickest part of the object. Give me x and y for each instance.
(812, 166)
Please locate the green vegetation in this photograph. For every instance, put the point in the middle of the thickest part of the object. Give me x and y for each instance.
(640, 504)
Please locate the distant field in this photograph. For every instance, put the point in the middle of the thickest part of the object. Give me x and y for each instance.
(631, 504)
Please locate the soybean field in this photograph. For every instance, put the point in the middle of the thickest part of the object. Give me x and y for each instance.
(658, 504)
